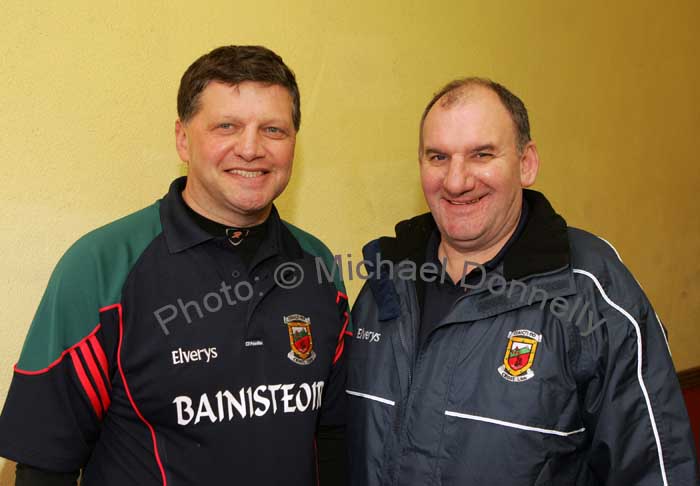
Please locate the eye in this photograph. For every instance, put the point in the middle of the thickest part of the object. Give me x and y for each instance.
(483, 155)
(226, 126)
(274, 132)
(437, 157)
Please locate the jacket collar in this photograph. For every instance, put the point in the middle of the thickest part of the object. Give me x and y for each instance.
(541, 248)
(543, 245)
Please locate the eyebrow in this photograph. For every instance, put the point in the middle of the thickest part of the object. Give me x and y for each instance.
(483, 148)
(228, 117)
(479, 148)
(432, 151)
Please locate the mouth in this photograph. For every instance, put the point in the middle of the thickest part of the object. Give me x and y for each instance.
(465, 202)
(248, 174)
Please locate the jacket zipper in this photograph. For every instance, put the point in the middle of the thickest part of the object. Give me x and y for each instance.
(418, 351)
(403, 412)
(410, 377)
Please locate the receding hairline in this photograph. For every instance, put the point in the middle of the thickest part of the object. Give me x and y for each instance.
(460, 91)
(459, 96)
(457, 92)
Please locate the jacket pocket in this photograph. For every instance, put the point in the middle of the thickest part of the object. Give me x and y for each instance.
(485, 449)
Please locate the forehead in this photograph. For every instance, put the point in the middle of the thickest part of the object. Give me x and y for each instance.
(476, 115)
(219, 98)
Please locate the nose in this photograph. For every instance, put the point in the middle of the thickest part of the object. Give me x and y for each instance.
(459, 177)
(248, 146)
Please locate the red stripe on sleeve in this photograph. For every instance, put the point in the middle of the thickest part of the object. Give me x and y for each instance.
(85, 381)
(339, 351)
(340, 296)
(343, 331)
(101, 357)
(59, 359)
(341, 339)
(96, 375)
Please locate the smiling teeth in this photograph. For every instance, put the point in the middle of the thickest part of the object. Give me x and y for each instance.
(473, 201)
(247, 173)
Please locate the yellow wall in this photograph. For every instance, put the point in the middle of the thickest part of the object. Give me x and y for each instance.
(87, 98)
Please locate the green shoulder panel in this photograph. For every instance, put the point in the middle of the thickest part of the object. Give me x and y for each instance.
(312, 245)
(89, 276)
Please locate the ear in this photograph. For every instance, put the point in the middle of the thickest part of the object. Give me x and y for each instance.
(529, 165)
(182, 141)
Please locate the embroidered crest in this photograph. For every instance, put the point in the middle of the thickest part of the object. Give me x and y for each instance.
(520, 354)
(300, 340)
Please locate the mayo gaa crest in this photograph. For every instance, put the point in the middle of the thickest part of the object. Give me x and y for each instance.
(300, 339)
(520, 353)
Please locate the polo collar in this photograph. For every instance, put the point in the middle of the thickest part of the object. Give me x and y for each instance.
(181, 232)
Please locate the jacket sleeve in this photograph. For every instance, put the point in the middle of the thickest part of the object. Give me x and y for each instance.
(61, 385)
(632, 405)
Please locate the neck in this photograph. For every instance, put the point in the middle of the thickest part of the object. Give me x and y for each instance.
(231, 219)
(461, 261)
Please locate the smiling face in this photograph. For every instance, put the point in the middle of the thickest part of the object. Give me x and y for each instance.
(472, 172)
(239, 147)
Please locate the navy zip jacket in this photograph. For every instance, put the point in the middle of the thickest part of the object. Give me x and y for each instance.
(551, 370)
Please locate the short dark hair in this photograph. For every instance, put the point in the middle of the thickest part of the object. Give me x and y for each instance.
(455, 91)
(234, 65)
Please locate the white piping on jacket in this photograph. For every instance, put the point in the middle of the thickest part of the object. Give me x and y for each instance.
(371, 397)
(512, 424)
(661, 326)
(639, 366)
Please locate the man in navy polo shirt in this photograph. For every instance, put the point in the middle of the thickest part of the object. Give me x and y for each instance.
(190, 343)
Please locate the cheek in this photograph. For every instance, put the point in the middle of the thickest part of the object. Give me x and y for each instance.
(431, 181)
(284, 157)
(212, 151)
(218, 151)
(499, 177)
(487, 174)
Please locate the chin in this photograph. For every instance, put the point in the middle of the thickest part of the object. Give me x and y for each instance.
(460, 233)
(465, 239)
(250, 211)
(249, 204)
(462, 240)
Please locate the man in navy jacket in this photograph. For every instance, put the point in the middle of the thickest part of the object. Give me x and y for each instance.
(496, 345)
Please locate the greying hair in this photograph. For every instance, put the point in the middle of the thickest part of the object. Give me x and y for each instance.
(456, 91)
